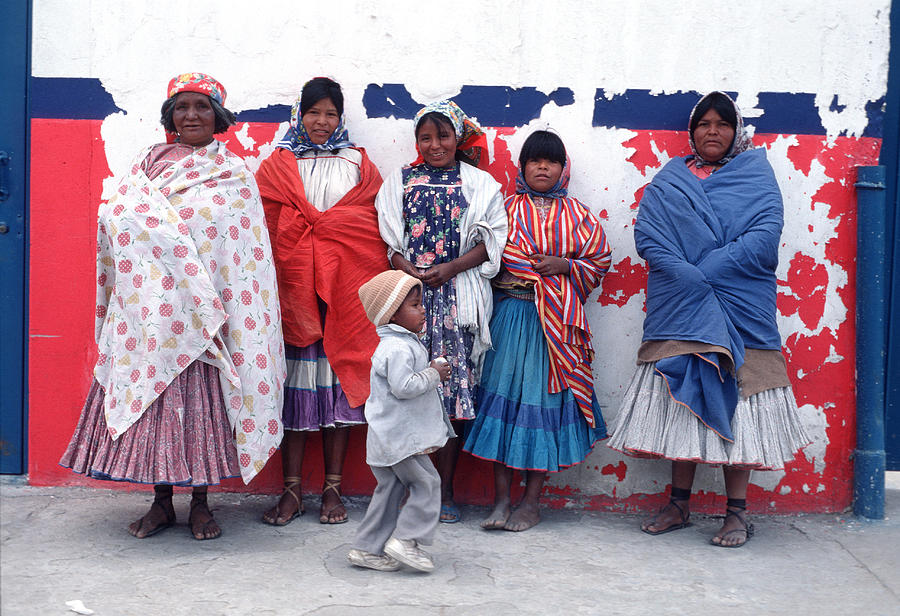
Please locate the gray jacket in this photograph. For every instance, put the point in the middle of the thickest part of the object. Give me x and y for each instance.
(404, 409)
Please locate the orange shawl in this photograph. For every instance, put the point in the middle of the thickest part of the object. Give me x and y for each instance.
(328, 256)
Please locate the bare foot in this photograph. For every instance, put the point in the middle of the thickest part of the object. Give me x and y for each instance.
(203, 524)
(497, 518)
(673, 516)
(332, 511)
(524, 517)
(160, 516)
(289, 507)
(735, 529)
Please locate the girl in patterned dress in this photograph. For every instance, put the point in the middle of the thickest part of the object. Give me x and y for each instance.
(536, 406)
(443, 221)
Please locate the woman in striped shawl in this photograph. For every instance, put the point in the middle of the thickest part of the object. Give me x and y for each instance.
(536, 407)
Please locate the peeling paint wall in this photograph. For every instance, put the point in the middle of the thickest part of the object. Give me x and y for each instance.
(616, 80)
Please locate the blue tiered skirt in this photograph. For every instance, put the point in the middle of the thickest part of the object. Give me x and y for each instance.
(519, 423)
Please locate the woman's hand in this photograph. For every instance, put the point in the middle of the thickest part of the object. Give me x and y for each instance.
(403, 264)
(436, 275)
(442, 366)
(548, 265)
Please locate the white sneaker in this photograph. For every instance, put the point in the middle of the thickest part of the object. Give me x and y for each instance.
(409, 553)
(372, 561)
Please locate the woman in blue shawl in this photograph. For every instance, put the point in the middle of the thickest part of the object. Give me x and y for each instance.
(711, 385)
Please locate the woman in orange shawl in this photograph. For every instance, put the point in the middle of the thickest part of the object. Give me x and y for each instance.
(318, 191)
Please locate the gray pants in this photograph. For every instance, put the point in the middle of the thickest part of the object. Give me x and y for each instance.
(418, 519)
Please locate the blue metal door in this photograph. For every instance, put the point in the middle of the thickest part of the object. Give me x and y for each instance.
(15, 66)
(890, 158)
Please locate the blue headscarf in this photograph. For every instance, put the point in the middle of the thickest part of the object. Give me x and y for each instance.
(297, 140)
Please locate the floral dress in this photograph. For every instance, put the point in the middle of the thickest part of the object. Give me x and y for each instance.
(433, 204)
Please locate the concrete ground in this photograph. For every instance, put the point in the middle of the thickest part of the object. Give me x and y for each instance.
(60, 544)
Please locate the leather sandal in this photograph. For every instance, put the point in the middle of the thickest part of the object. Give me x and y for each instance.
(205, 526)
(290, 483)
(685, 518)
(736, 511)
(333, 483)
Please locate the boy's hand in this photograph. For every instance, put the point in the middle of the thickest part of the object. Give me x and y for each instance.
(442, 366)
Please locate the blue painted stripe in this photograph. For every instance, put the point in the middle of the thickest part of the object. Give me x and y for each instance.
(66, 98)
(497, 106)
(786, 113)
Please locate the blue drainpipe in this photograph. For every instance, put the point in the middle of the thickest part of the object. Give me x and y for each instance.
(871, 339)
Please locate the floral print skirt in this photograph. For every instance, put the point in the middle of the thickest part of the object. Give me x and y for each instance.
(196, 449)
(443, 337)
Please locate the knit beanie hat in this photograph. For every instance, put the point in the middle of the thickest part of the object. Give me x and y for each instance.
(383, 294)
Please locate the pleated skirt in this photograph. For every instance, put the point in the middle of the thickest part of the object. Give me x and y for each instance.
(183, 438)
(519, 423)
(651, 424)
(313, 397)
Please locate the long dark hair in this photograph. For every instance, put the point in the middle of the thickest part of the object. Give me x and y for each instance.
(542, 144)
(319, 88)
(723, 106)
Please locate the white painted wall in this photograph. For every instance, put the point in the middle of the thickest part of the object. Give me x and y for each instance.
(264, 51)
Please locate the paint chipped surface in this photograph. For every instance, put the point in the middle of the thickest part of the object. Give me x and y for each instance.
(812, 99)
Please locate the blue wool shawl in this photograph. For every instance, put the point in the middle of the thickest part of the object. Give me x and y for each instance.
(712, 249)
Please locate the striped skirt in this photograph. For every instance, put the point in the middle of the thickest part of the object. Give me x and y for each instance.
(183, 438)
(519, 423)
(651, 424)
(313, 398)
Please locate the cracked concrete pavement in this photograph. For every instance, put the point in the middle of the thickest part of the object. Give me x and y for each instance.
(60, 544)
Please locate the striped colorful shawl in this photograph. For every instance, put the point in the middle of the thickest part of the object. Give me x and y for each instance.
(572, 232)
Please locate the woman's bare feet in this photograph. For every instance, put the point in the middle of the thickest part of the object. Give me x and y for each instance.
(497, 518)
(203, 524)
(333, 510)
(673, 516)
(735, 531)
(524, 517)
(160, 517)
(289, 506)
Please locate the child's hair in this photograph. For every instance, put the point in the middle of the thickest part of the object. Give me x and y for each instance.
(542, 144)
(319, 88)
(439, 120)
(382, 295)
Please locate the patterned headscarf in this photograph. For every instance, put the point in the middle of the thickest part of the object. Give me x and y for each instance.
(741, 142)
(559, 190)
(297, 139)
(197, 82)
(470, 139)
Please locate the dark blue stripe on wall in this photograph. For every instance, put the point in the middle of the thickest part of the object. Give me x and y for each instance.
(492, 105)
(273, 113)
(67, 98)
(787, 113)
(497, 106)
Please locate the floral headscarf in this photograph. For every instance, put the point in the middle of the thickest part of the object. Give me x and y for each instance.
(470, 139)
(297, 139)
(197, 82)
(558, 191)
(741, 142)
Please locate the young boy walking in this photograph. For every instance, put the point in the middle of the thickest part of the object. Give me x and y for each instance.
(406, 422)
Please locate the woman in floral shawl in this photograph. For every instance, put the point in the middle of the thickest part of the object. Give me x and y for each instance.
(319, 190)
(443, 221)
(711, 384)
(188, 327)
